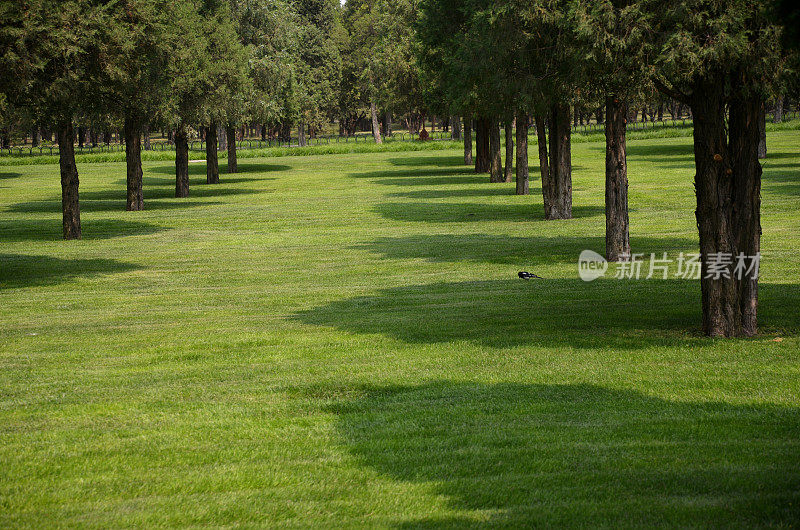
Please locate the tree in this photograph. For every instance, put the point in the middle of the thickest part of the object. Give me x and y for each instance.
(48, 55)
(718, 57)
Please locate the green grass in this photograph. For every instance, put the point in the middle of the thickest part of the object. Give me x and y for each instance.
(341, 340)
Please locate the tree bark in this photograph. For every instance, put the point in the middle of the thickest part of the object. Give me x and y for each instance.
(496, 158)
(181, 163)
(482, 133)
(522, 154)
(376, 128)
(455, 128)
(728, 186)
(541, 140)
(230, 132)
(467, 141)
(618, 244)
(762, 131)
(70, 207)
(301, 134)
(557, 189)
(778, 117)
(133, 159)
(509, 169)
(212, 162)
(146, 135)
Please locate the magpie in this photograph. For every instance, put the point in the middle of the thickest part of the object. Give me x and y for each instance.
(528, 275)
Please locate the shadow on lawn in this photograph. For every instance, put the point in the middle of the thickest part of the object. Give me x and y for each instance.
(9, 175)
(51, 229)
(578, 455)
(199, 168)
(445, 212)
(17, 270)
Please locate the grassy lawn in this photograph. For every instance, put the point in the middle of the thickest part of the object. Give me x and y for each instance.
(342, 340)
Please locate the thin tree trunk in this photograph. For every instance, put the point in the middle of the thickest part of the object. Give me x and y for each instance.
(376, 128)
(618, 245)
(301, 134)
(212, 163)
(557, 190)
(455, 128)
(70, 207)
(467, 141)
(133, 159)
(146, 135)
(728, 185)
(509, 169)
(230, 132)
(496, 158)
(181, 163)
(522, 154)
(778, 117)
(541, 140)
(482, 150)
(762, 131)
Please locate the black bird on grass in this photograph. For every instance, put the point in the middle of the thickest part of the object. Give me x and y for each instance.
(528, 275)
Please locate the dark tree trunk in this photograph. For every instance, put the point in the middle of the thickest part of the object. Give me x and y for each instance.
(230, 132)
(618, 244)
(522, 154)
(509, 169)
(133, 159)
(146, 134)
(467, 141)
(557, 189)
(212, 162)
(455, 128)
(70, 207)
(80, 137)
(376, 128)
(496, 158)
(301, 134)
(181, 163)
(541, 140)
(762, 131)
(599, 115)
(35, 137)
(778, 117)
(263, 133)
(728, 186)
(482, 152)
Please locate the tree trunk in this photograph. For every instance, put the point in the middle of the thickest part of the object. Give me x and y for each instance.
(35, 138)
(467, 141)
(482, 133)
(509, 169)
(70, 207)
(618, 245)
(778, 117)
(496, 158)
(146, 134)
(133, 159)
(212, 163)
(522, 154)
(455, 128)
(230, 132)
(80, 137)
(762, 131)
(557, 189)
(376, 128)
(728, 186)
(181, 163)
(541, 140)
(301, 134)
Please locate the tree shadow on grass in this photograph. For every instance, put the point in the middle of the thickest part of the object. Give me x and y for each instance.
(51, 229)
(18, 270)
(530, 251)
(577, 455)
(445, 212)
(649, 150)
(4, 175)
(224, 176)
(430, 161)
(619, 314)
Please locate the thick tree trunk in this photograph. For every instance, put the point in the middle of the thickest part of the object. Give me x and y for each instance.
(467, 141)
(301, 134)
(509, 169)
(212, 163)
(482, 151)
(541, 140)
(762, 131)
(70, 207)
(618, 244)
(522, 154)
(557, 189)
(455, 128)
(376, 128)
(35, 137)
(181, 163)
(778, 117)
(496, 158)
(230, 132)
(728, 186)
(133, 159)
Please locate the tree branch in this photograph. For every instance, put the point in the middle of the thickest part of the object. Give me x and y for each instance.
(671, 92)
